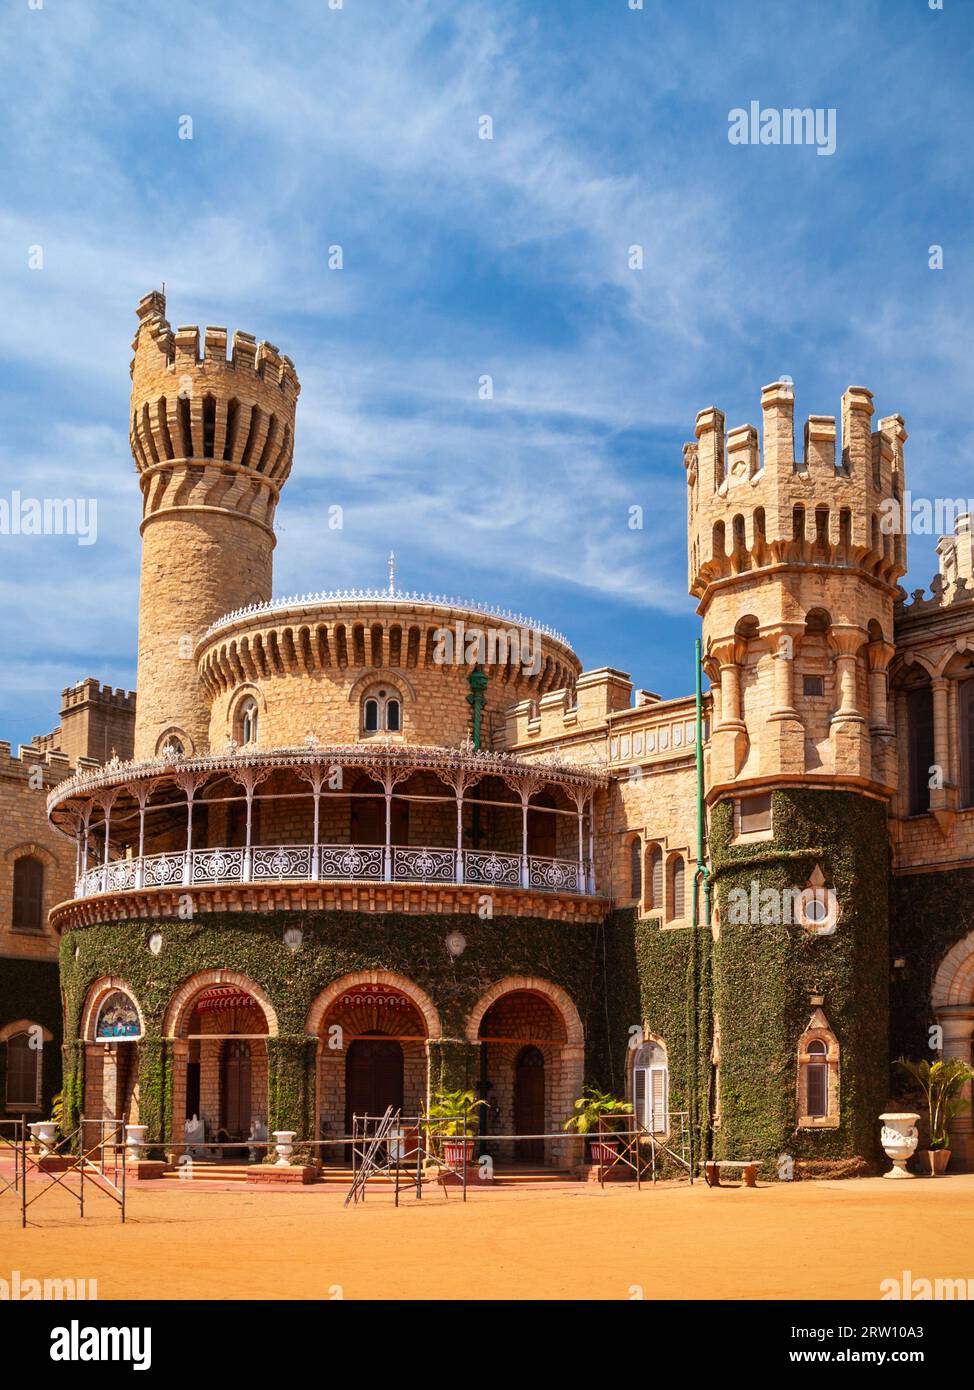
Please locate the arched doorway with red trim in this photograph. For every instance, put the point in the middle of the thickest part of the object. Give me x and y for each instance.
(371, 1054)
(220, 1069)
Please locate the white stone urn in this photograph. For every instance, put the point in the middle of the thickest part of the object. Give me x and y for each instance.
(43, 1132)
(284, 1140)
(134, 1142)
(899, 1140)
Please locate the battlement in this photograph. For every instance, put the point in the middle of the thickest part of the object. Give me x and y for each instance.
(91, 691)
(180, 348)
(199, 418)
(57, 765)
(749, 508)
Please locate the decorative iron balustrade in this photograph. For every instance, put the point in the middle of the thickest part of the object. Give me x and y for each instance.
(336, 863)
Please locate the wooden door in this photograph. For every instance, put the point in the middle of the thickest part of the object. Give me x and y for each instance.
(373, 1078)
(529, 1104)
(235, 1088)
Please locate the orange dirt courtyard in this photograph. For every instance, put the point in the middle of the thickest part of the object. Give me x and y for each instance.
(812, 1240)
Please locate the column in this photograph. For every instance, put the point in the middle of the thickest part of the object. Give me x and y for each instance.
(459, 864)
(879, 655)
(940, 798)
(728, 745)
(849, 730)
(785, 739)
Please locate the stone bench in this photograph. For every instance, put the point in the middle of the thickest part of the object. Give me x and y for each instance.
(749, 1170)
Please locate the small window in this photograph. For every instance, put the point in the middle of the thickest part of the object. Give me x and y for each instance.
(23, 1071)
(655, 879)
(754, 814)
(813, 686)
(817, 1081)
(967, 742)
(678, 877)
(919, 713)
(28, 906)
(635, 869)
(382, 712)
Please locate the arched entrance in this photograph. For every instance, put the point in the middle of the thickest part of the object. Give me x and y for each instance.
(529, 1106)
(372, 1033)
(532, 1063)
(219, 1023)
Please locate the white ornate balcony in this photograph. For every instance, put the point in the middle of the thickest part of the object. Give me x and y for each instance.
(417, 864)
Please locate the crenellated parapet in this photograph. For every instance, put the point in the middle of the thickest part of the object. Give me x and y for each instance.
(208, 429)
(752, 509)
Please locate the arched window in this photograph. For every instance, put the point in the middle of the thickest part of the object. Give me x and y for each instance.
(654, 879)
(382, 711)
(651, 1088)
(24, 1070)
(678, 874)
(247, 717)
(817, 1080)
(818, 1075)
(635, 869)
(173, 744)
(28, 906)
(117, 1018)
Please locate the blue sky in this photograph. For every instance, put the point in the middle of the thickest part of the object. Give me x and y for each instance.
(462, 257)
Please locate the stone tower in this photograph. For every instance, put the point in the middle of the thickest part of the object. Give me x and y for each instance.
(213, 440)
(796, 576)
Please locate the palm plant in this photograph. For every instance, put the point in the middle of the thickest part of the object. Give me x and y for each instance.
(941, 1083)
(593, 1107)
(457, 1111)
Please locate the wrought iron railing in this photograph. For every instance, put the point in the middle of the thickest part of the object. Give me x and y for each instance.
(333, 863)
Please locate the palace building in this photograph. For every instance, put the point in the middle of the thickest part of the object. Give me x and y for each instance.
(350, 849)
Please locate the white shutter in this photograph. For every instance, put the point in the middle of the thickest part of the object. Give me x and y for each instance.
(658, 1101)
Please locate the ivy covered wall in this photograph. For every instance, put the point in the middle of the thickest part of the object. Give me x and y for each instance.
(335, 944)
(764, 976)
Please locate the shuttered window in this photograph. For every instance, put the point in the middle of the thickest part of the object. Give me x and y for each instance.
(656, 879)
(817, 1082)
(635, 870)
(28, 906)
(23, 1071)
(678, 876)
(650, 1088)
(967, 741)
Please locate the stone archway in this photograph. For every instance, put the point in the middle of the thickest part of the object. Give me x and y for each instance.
(373, 1029)
(952, 1000)
(529, 1012)
(218, 1023)
(111, 1075)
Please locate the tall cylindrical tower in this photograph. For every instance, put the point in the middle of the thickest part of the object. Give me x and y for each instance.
(213, 440)
(795, 565)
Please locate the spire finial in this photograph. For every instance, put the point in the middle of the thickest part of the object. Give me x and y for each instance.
(392, 572)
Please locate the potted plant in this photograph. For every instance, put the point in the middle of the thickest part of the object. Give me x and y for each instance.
(941, 1084)
(456, 1115)
(596, 1111)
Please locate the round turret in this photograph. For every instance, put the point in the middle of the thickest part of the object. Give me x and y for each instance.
(213, 441)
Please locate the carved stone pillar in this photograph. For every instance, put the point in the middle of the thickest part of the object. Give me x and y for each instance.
(784, 738)
(878, 656)
(729, 741)
(850, 731)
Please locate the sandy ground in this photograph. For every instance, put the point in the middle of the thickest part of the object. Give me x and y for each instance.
(570, 1241)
